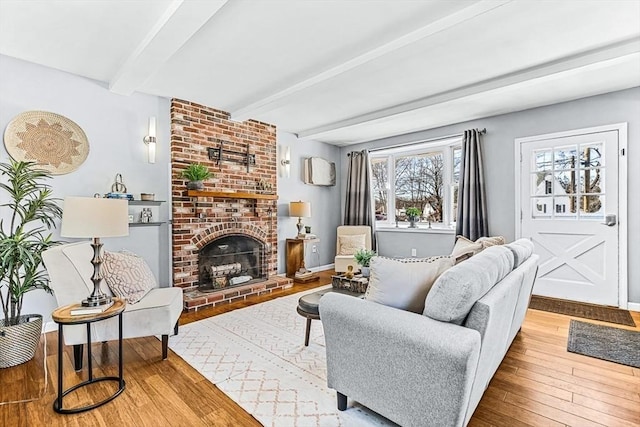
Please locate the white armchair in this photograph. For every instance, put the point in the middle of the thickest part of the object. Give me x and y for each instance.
(342, 261)
(70, 270)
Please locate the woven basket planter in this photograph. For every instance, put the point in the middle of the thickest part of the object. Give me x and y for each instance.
(18, 343)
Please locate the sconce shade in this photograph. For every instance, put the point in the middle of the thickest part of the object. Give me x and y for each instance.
(285, 162)
(90, 217)
(150, 140)
(300, 209)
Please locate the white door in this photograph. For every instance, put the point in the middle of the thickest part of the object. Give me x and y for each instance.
(569, 209)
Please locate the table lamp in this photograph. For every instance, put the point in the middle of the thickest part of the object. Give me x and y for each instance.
(300, 209)
(90, 217)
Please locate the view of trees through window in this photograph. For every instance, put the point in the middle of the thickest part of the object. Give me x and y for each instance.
(426, 180)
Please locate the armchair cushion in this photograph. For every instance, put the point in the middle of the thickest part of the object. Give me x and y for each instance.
(404, 283)
(350, 244)
(128, 275)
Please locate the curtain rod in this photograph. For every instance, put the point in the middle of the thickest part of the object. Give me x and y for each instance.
(439, 138)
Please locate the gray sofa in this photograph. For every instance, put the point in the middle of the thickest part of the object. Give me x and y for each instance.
(431, 369)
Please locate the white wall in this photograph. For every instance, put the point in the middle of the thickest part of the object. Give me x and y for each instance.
(325, 201)
(498, 144)
(115, 126)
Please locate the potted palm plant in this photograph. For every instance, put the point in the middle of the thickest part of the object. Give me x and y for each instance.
(195, 173)
(24, 236)
(363, 257)
(414, 215)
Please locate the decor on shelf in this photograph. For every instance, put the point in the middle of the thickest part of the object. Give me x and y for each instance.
(23, 238)
(196, 173)
(150, 140)
(300, 209)
(285, 162)
(413, 214)
(55, 143)
(90, 217)
(363, 257)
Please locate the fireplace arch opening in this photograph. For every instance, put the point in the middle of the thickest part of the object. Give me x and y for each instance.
(231, 260)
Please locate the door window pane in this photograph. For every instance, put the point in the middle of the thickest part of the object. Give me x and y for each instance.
(591, 155)
(592, 206)
(565, 183)
(542, 160)
(541, 207)
(564, 207)
(591, 180)
(565, 157)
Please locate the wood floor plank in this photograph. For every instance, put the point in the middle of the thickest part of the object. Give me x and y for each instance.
(558, 415)
(631, 414)
(524, 415)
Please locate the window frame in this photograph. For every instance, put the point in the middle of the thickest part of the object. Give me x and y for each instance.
(446, 147)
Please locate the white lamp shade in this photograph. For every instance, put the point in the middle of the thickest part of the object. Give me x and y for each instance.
(300, 209)
(94, 217)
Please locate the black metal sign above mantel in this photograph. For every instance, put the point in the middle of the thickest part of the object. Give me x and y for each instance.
(220, 154)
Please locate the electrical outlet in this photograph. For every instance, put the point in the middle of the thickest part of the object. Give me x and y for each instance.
(314, 249)
(414, 252)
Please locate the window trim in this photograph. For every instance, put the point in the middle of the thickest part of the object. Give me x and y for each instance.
(444, 146)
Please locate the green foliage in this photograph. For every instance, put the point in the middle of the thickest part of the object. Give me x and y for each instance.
(33, 213)
(196, 172)
(363, 256)
(413, 212)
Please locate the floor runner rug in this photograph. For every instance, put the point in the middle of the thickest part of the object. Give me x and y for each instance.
(586, 311)
(256, 356)
(605, 342)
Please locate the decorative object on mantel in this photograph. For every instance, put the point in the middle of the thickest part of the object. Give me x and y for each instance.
(264, 185)
(55, 143)
(29, 198)
(318, 171)
(196, 173)
(300, 209)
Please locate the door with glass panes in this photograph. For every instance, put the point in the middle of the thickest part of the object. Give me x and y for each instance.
(569, 209)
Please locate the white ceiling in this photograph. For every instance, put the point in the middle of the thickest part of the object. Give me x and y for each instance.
(339, 71)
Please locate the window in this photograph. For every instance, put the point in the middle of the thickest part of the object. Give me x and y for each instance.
(424, 176)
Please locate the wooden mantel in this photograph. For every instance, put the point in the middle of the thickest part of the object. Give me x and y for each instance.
(232, 195)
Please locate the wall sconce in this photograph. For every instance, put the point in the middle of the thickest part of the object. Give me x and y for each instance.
(150, 140)
(285, 161)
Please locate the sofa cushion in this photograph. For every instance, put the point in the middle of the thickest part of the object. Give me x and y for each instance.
(404, 283)
(455, 292)
(522, 249)
(127, 275)
(349, 244)
(465, 248)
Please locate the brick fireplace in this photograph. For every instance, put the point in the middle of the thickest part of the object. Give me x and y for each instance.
(225, 236)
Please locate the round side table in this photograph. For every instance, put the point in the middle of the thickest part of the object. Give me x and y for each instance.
(62, 316)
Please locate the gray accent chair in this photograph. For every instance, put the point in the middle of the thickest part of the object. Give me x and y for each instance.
(431, 369)
(70, 270)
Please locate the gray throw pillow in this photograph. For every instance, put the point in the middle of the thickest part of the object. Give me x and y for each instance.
(404, 283)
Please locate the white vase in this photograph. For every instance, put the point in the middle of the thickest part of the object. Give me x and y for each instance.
(365, 271)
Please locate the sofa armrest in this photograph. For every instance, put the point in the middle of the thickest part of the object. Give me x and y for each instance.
(411, 369)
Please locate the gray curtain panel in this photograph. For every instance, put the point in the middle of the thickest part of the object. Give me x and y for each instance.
(358, 209)
(471, 221)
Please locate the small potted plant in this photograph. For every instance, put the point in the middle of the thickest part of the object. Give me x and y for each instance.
(363, 257)
(414, 215)
(24, 236)
(195, 173)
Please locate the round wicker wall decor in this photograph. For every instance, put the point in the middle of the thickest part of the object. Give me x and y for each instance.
(54, 142)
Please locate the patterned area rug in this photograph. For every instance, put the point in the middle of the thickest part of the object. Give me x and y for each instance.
(605, 342)
(256, 356)
(586, 311)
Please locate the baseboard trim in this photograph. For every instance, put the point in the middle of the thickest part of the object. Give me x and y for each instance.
(323, 267)
(50, 327)
(633, 306)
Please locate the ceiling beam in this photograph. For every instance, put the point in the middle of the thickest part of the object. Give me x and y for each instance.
(181, 20)
(276, 99)
(584, 59)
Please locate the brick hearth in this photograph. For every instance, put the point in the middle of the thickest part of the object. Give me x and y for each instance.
(197, 221)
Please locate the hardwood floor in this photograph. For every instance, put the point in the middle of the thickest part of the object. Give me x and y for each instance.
(538, 384)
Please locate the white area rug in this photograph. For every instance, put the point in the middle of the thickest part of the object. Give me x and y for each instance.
(256, 356)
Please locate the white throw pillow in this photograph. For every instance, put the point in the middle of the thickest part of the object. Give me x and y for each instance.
(404, 283)
(350, 244)
(127, 275)
(487, 242)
